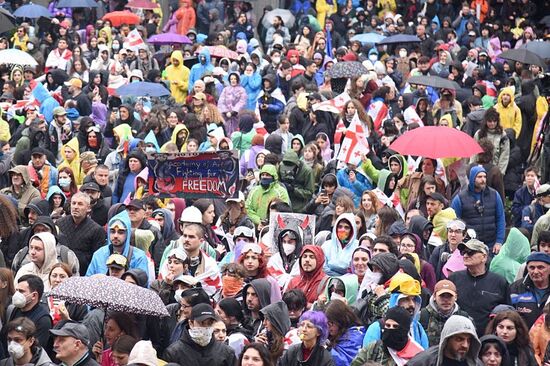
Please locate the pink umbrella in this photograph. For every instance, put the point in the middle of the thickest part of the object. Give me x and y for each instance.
(142, 4)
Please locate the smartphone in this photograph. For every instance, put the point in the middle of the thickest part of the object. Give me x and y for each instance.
(323, 192)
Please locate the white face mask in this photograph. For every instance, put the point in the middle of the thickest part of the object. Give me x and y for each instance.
(30, 46)
(276, 60)
(19, 300)
(201, 335)
(370, 280)
(16, 350)
(402, 53)
(289, 248)
(547, 205)
(177, 295)
(150, 149)
(373, 58)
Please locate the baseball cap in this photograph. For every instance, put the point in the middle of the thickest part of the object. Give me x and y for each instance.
(178, 253)
(38, 151)
(501, 308)
(473, 244)
(74, 82)
(243, 231)
(191, 214)
(118, 261)
(543, 190)
(59, 111)
(437, 197)
(90, 186)
(199, 96)
(186, 279)
(136, 203)
(238, 199)
(74, 330)
(445, 287)
(201, 312)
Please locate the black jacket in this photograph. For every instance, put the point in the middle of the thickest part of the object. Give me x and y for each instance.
(522, 293)
(187, 353)
(294, 357)
(479, 295)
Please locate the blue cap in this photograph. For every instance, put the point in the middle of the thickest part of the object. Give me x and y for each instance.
(538, 257)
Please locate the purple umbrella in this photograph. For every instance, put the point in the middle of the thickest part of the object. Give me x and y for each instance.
(168, 39)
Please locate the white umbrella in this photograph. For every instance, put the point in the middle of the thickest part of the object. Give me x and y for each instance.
(286, 16)
(16, 57)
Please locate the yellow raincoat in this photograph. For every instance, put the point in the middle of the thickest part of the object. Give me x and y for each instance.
(73, 164)
(510, 116)
(178, 77)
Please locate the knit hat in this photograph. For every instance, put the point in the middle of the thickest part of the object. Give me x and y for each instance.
(400, 315)
(88, 157)
(538, 257)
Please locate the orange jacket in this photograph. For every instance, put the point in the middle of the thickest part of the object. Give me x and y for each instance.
(186, 17)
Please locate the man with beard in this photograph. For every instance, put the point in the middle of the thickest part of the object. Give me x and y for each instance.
(99, 210)
(396, 344)
(459, 346)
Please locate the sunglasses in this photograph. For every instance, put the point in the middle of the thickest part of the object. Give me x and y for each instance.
(468, 252)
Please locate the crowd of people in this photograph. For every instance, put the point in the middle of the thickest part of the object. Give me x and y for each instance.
(403, 260)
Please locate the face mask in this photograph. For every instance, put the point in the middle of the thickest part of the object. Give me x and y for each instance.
(64, 182)
(265, 182)
(201, 336)
(395, 338)
(203, 60)
(19, 300)
(276, 60)
(231, 286)
(16, 350)
(547, 205)
(150, 149)
(288, 248)
(403, 54)
(372, 278)
(177, 295)
(30, 46)
(116, 46)
(342, 235)
(373, 58)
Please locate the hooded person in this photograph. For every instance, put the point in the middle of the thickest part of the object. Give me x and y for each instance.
(47, 102)
(312, 277)
(178, 76)
(396, 346)
(41, 242)
(271, 102)
(459, 344)
(260, 196)
(339, 249)
(285, 263)
(404, 292)
(509, 112)
(298, 179)
(489, 341)
(481, 208)
(421, 227)
(23, 192)
(262, 288)
(179, 137)
(198, 70)
(512, 255)
(118, 240)
(279, 325)
(231, 101)
(123, 135)
(345, 287)
(70, 153)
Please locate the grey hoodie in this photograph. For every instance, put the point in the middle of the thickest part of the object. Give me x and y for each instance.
(434, 356)
(277, 314)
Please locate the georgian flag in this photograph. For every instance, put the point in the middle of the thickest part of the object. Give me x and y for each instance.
(378, 111)
(134, 41)
(333, 105)
(355, 143)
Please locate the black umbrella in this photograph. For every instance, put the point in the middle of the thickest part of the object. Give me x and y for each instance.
(7, 21)
(524, 56)
(347, 69)
(541, 49)
(400, 38)
(433, 81)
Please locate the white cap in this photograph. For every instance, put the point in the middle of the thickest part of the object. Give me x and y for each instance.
(239, 199)
(143, 353)
(191, 214)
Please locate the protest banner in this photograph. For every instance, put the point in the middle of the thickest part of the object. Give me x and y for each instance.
(194, 175)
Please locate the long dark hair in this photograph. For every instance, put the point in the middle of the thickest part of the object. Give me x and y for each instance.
(490, 114)
(262, 350)
(522, 341)
(341, 315)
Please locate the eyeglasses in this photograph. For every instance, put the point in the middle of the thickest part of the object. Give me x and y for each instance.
(404, 245)
(468, 252)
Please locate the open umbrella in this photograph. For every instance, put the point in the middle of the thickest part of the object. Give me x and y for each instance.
(286, 16)
(32, 11)
(7, 20)
(365, 38)
(436, 142)
(16, 57)
(110, 293)
(77, 4)
(117, 18)
(433, 81)
(400, 38)
(541, 49)
(142, 89)
(347, 69)
(221, 52)
(524, 56)
(142, 4)
(168, 39)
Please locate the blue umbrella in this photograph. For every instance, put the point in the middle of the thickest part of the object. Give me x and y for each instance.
(368, 38)
(76, 4)
(32, 11)
(400, 38)
(142, 89)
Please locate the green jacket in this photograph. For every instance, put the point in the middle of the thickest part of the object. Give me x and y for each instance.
(258, 200)
(512, 255)
(374, 352)
(293, 172)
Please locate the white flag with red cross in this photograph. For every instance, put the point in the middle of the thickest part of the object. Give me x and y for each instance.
(134, 41)
(355, 143)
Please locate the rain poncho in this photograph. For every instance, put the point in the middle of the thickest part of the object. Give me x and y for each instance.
(73, 164)
(198, 70)
(178, 77)
(512, 255)
(351, 285)
(338, 256)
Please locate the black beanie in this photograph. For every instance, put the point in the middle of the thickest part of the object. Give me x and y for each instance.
(232, 307)
(400, 315)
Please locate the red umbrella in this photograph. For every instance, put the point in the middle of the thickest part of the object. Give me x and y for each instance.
(117, 18)
(222, 51)
(142, 4)
(436, 142)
